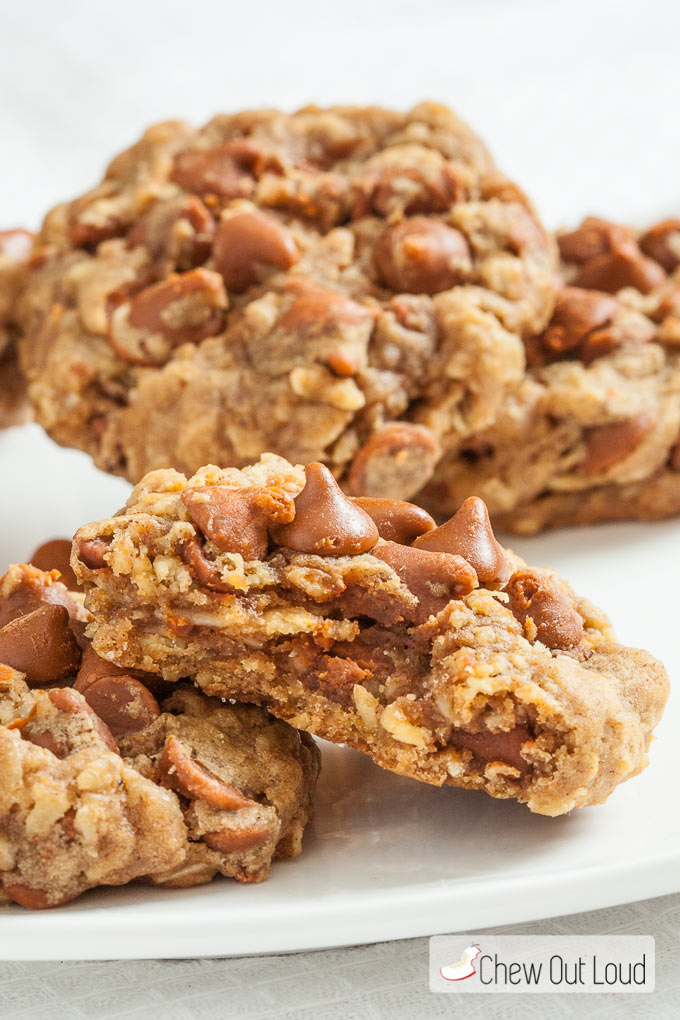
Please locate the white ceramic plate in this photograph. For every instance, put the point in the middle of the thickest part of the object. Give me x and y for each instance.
(387, 858)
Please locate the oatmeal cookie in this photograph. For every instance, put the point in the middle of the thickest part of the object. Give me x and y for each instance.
(245, 782)
(346, 285)
(73, 813)
(111, 775)
(432, 649)
(593, 431)
(15, 249)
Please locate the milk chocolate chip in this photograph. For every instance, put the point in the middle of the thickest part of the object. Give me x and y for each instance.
(326, 521)
(184, 308)
(609, 258)
(495, 745)
(433, 577)
(394, 462)
(228, 841)
(236, 520)
(421, 256)
(662, 243)
(122, 702)
(577, 313)
(65, 699)
(534, 596)
(178, 231)
(245, 242)
(396, 520)
(314, 305)
(594, 237)
(181, 772)
(41, 645)
(226, 171)
(624, 267)
(470, 535)
(56, 555)
(606, 445)
(34, 588)
(92, 552)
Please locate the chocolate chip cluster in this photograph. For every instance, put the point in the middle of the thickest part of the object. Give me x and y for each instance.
(42, 635)
(600, 259)
(435, 564)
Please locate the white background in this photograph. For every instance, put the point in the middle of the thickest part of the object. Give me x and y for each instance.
(578, 101)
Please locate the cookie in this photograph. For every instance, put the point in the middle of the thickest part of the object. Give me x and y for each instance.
(113, 775)
(15, 249)
(593, 431)
(245, 782)
(73, 813)
(432, 649)
(346, 285)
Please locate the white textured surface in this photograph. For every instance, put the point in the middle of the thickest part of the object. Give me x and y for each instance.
(579, 103)
(387, 981)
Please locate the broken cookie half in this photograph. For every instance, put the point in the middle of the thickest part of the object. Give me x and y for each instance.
(434, 650)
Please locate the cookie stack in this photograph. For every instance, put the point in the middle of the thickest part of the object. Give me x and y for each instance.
(344, 310)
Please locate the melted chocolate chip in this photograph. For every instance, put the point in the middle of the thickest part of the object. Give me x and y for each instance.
(433, 577)
(534, 596)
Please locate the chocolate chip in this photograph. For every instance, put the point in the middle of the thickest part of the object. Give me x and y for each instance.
(394, 462)
(625, 267)
(180, 771)
(577, 313)
(534, 596)
(228, 841)
(495, 745)
(41, 645)
(33, 588)
(93, 667)
(469, 534)
(396, 520)
(56, 555)
(609, 258)
(662, 243)
(314, 305)
(592, 238)
(606, 445)
(65, 699)
(184, 308)
(205, 572)
(247, 241)
(122, 702)
(178, 231)
(236, 520)
(421, 256)
(92, 552)
(326, 521)
(433, 577)
(225, 171)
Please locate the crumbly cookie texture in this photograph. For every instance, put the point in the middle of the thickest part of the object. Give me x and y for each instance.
(592, 433)
(346, 285)
(73, 813)
(244, 780)
(112, 775)
(15, 249)
(434, 650)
